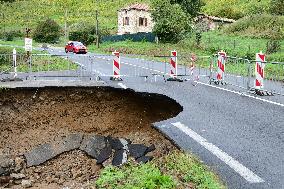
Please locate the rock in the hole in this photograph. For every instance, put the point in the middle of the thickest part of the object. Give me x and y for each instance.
(105, 153)
(19, 163)
(115, 143)
(17, 176)
(144, 159)
(66, 144)
(4, 180)
(26, 183)
(93, 145)
(7, 164)
(119, 158)
(39, 155)
(2, 171)
(137, 150)
(45, 152)
(150, 148)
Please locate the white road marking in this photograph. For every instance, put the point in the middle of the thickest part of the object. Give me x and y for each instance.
(242, 94)
(122, 85)
(234, 164)
(124, 157)
(124, 143)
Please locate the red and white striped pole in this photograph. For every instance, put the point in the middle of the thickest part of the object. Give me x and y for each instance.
(116, 65)
(221, 65)
(259, 70)
(173, 62)
(193, 59)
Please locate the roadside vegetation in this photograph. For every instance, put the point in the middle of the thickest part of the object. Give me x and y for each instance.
(175, 170)
(39, 62)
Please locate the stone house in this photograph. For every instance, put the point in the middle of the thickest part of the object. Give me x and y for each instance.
(134, 18)
(212, 22)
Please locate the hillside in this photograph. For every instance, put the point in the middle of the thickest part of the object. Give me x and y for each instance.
(28, 13)
(235, 8)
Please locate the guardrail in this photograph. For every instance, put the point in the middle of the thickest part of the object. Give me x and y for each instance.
(238, 72)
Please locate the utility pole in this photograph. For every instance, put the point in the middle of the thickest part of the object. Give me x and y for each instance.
(28, 30)
(4, 22)
(97, 30)
(65, 24)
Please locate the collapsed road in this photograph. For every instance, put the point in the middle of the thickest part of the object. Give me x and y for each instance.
(239, 135)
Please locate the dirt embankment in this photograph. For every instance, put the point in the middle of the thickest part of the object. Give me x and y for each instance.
(31, 117)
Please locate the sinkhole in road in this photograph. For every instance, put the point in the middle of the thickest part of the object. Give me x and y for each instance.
(33, 116)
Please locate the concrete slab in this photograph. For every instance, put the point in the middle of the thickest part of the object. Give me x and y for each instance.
(93, 145)
(150, 148)
(144, 159)
(105, 154)
(45, 152)
(70, 142)
(137, 150)
(119, 157)
(39, 155)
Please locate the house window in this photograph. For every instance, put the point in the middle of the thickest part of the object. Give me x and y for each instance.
(143, 21)
(126, 21)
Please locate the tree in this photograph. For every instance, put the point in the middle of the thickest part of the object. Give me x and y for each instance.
(171, 22)
(47, 31)
(277, 7)
(191, 7)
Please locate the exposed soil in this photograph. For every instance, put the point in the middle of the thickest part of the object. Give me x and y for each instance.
(30, 117)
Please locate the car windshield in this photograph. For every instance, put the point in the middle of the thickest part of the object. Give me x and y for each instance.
(78, 44)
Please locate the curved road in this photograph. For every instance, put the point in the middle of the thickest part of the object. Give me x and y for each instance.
(239, 135)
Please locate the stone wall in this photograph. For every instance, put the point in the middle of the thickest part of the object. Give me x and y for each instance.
(133, 26)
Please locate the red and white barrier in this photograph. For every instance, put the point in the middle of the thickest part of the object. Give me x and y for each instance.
(116, 65)
(173, 62)
(193, 59)
(15, 62)
(221, 65)
(259, 70)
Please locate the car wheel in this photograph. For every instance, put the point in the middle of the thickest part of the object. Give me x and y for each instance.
(66, 50)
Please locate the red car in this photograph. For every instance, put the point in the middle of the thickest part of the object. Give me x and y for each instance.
(75, 47)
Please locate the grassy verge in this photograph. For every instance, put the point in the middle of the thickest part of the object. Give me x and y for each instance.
(39, 63)
(211, 43)
(18, 42)
(176, 170)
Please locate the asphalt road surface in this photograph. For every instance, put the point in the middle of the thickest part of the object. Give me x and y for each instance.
(238, 134)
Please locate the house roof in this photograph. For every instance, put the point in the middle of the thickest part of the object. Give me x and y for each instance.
(214, 18)
(137, 6)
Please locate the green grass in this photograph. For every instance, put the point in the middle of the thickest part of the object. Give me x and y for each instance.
(211, 43)
(235, 8)
(22, 14)
(39, 62)
(176, 170)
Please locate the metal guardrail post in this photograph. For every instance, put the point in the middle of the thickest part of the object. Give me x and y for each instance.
(249, 74)
(211, 68)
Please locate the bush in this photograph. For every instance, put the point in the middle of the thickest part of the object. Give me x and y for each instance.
(171, 22)
(47, 31)
(86, 33)
(273, 46)
(10, 35)
(258, 26)
(235, 9)
(277, 7)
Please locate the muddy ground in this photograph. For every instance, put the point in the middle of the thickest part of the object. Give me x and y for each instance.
(30, 117)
